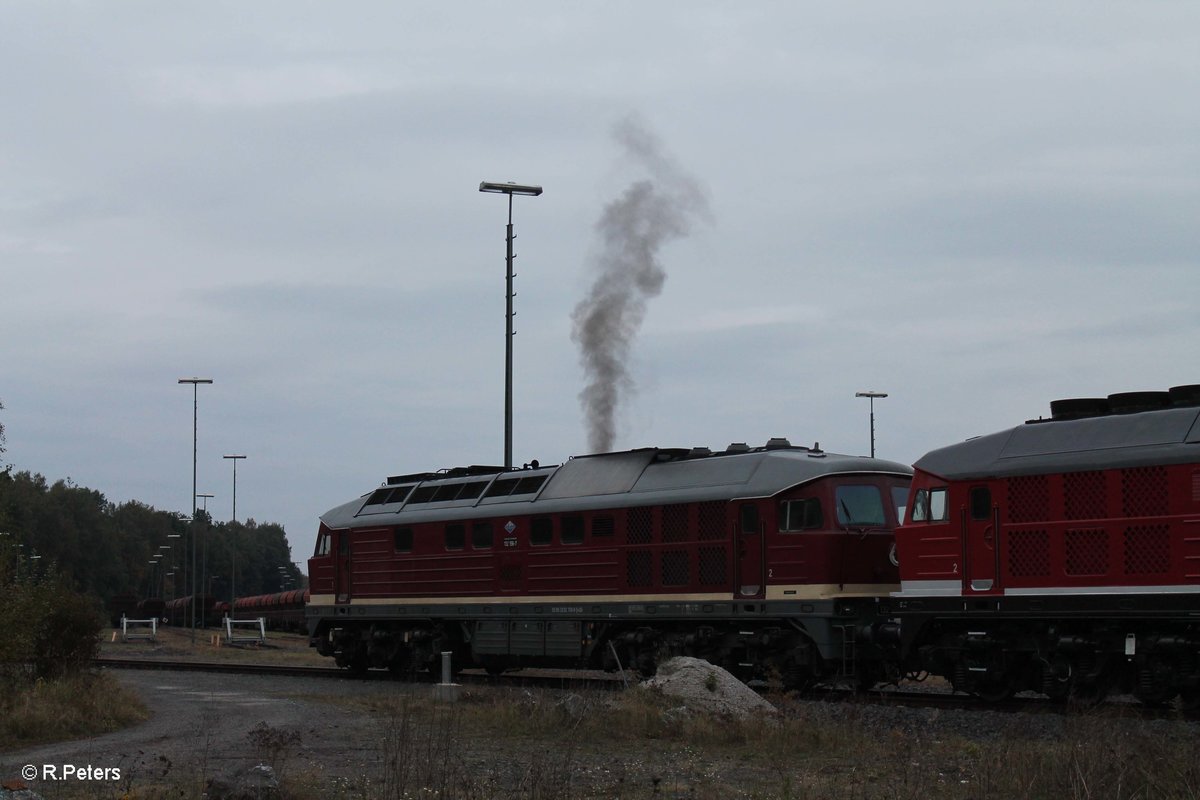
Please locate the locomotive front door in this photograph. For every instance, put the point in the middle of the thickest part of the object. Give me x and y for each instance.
(981, 543)
(750, 543)
(341, 570)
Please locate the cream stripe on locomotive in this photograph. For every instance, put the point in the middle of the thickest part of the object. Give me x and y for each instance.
(798, 592)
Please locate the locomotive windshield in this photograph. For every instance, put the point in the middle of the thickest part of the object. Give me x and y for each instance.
(900, 501)
(859, 506)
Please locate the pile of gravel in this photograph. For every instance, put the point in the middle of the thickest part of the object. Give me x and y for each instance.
(708, 689)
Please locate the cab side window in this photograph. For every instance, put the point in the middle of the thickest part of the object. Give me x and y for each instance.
(800, 515)
(929, 505)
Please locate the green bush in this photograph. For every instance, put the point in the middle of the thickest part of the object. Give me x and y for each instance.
(49, 630)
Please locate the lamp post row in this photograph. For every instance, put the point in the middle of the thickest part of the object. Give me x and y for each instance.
(195, 382)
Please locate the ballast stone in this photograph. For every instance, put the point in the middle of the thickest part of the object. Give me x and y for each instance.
(706, 688)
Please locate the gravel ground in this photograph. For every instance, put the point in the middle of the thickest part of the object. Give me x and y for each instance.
(204, 724)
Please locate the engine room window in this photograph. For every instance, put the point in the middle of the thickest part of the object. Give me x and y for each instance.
(481, 536)
(403, 538)
(456, 536)
(929, 505)
(859, 506)
(800, 515)
(572, 530)
(541, 531)
(502, 487)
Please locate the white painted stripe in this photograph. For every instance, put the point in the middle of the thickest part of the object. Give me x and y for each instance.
(929, 589)
(1058, 591)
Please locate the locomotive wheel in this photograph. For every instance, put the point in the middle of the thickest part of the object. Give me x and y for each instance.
(1189, 701)
(357, 664)
(996, 689)
(401, 664)
(1155, 697)
(1089, 695)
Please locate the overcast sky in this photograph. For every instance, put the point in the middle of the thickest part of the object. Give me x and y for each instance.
(977, 208)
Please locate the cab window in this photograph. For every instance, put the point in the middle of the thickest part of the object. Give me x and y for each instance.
(322, 545)
(800, 515)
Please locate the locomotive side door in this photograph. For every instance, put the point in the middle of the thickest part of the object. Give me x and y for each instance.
(750, 543)
(341, 568)
(981, 543)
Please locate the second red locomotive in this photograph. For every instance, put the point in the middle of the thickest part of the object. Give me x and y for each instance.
(1061, 556)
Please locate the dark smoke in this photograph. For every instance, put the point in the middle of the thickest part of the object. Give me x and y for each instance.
(632, 230)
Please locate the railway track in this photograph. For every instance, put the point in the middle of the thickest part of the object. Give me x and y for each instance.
(531, 678)
(574, 681)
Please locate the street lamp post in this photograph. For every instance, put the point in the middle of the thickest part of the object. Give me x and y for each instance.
(529, 191)
(871, 397)
(233, 536)
(195, 382)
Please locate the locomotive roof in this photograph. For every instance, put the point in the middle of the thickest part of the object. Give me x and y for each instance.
(646, 476)
(1167, 436)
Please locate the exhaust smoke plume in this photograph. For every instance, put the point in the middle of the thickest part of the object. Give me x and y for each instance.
(632, 230)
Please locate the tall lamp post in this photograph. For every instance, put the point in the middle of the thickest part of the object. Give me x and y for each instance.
(195, 382)
(204, 585)
(233, 538)
(529, 191)
(871, 396)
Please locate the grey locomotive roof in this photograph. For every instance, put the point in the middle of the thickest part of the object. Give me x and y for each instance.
(1107, 442)
(617, 480)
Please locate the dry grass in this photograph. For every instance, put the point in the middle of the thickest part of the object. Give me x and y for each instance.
(511, 743)
(72, 707)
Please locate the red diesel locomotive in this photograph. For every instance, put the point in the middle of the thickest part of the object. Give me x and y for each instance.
(767, 560)
(1061, 556)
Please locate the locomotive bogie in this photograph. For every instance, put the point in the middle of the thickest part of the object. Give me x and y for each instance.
(770, 643)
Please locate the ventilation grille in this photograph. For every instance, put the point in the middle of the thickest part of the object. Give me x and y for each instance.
(1029, 554)
(640, 526)
(1028, 499)
(675, 523)
(1147, 550)
(712, 566)
(1144, 491)
(675, 568)
(1084, 495)
(712, 520)
(637, 568)
(1087, 551)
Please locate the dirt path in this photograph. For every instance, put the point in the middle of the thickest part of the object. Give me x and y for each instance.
(203, 725)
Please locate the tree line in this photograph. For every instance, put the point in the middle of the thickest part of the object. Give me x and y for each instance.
(105, 549)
